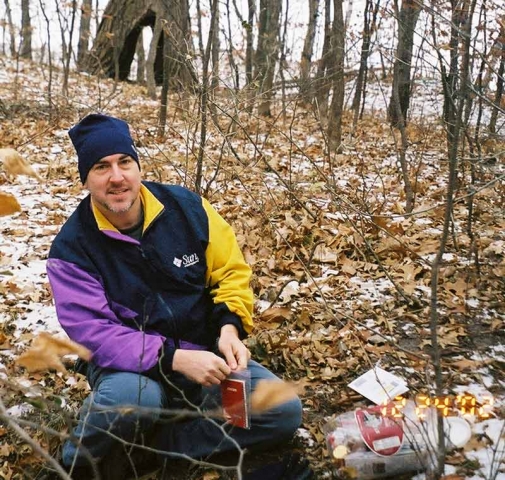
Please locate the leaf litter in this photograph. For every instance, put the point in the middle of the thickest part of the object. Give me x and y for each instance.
(341, 272)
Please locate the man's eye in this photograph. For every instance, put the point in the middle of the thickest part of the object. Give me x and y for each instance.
(100, 166)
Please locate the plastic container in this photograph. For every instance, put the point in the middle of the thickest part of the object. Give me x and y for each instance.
(368, 444)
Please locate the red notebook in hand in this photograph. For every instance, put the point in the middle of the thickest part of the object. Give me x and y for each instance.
(234, 401)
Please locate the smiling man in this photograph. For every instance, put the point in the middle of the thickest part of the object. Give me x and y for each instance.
(150, 278)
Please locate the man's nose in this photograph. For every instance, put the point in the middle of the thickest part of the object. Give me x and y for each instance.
(116, 174)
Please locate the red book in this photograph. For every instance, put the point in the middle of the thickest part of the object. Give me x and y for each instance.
(234, 402)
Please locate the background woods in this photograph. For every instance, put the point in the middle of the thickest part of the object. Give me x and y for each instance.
(356, 147)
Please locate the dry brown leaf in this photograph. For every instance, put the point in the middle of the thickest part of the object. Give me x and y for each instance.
(466, 364)
(46, 351)
(212, 475)
(276, 314)
(15, 164)
(271, 393)
(348, 266)
(476, 442)
(4, 342)
(8, 204)
(459, 288)
(6, 471)
(5, 450)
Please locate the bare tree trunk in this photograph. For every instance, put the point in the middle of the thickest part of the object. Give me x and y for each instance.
(12, 32)
(215, 51)
(369, 25)
(451, 78)
(336, 74)
(200, 29)
(162, 116)
(267, 52)
(49, 52)
(97, 20)
(231, 58)
(84, 32)
(499, 81)
(249, 55)
(141, 60)
(321, 85)
(282, 61)
(204, 94)
(25, 49)
(308, 48)
(407, 20)
(61, 22)
(404, 165)
(151, 59)
(454, 101)
(123, 20)
(182, 75)
(66, 70)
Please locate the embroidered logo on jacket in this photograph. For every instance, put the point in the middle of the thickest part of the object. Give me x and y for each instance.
(187, 260)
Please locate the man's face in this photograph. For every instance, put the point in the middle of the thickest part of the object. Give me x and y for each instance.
(114, 185)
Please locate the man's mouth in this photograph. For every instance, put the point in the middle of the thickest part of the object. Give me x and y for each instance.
(118, 191)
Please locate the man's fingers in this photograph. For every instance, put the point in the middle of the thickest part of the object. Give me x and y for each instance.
(230, 360)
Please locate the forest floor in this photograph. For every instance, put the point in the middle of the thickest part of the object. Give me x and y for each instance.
(341, 272)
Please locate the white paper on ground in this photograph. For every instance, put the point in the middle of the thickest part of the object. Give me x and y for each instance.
(379, 386)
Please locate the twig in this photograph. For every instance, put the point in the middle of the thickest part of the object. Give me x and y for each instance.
(30, 441)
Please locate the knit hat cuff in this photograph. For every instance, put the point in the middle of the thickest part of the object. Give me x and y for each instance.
(102, 144)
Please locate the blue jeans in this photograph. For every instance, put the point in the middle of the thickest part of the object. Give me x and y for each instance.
(101, 423)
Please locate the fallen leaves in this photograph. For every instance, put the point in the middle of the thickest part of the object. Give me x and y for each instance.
(8, 204)
(274, 316)
(46, 351)
(14, 164)
(272, 393)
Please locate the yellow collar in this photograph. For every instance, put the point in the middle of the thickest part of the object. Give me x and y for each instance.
(151, 205)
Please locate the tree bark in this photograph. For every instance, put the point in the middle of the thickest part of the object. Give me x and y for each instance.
(141, 60)
(336, 74)
(249, 54)
(216, 49)
(122, 23)
(25, 49)
(499, 81)
(154, 48)
(308, 48)
(162, 116)
(267, 52)
(66, 69)
(84, 32)
(321, 85)
(369, 25)
(407, 20)
(12, 32)
(231, 58)
(214, 22)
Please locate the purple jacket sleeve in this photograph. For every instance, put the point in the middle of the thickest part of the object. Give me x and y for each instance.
(85, 315)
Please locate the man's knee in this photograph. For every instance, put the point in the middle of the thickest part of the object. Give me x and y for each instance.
(283, 421)
(290, 417)
(128, 389)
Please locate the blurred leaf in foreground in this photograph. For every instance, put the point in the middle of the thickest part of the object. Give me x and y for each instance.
(46, 352)
(271, 393)
(8, 204)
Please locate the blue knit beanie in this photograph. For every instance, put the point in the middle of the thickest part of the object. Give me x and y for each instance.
(97, 136)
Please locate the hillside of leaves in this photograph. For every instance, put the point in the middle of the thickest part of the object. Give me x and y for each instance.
(341, 272)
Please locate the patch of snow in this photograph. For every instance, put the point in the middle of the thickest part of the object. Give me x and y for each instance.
(19, 410)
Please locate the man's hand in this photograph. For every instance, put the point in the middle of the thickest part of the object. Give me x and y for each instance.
(235, 352)
(205, 368)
